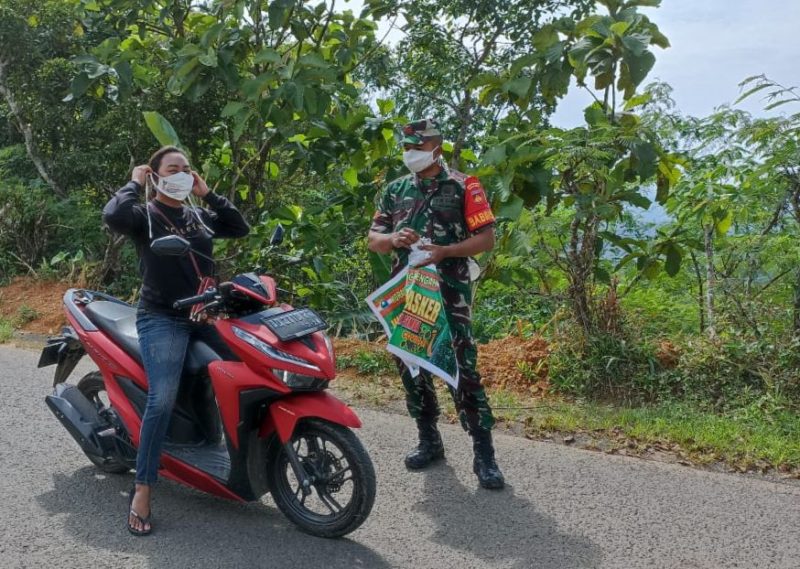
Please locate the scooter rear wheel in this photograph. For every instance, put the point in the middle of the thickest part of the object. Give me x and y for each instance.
(93, 388)
(342, 478)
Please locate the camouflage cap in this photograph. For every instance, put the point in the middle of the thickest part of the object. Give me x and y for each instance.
(417, 131)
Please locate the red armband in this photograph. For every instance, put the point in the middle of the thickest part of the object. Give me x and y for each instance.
(477, 211)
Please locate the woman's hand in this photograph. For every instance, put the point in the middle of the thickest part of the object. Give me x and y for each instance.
(404, 238)
(200, 188)
(139, 174)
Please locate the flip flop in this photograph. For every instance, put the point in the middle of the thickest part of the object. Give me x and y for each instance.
(143, 521)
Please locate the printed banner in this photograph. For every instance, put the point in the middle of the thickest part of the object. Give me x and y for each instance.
(410, 309)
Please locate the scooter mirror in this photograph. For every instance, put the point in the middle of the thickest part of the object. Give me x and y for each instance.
(170, 246)
(277, 235)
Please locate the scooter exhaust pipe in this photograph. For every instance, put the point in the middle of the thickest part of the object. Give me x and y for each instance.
(78, 416)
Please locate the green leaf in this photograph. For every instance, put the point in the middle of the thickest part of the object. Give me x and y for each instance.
(662, 189)
(545, 38)
(161, 129)
(58, 258)
(468, 155)
(232, 107)
(594, 115)
(519, 86)
(638, 68)
(277, 12)
(723, 225)
(638, 101)
(779, 104)
(602, 275)
(652, 269)
(288, 213)
(381, 266)
(752, 92)
(511, 209)
(252, 88)
(674, 258)
(646, 159)
(209, 59)
(636, 44)
(267, 55)
(620, 28)
(351, 177)
(385, 106)
(495, 155)
(636, 199)
(80, 83)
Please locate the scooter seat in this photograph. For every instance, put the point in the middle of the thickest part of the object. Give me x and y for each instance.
(119, 321)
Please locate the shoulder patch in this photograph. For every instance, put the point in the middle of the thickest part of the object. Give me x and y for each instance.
(477, 211)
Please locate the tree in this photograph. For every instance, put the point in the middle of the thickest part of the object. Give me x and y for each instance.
(263, 96)
(450, 47)
(593, 171)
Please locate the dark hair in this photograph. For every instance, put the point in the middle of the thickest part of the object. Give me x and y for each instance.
(158, 156)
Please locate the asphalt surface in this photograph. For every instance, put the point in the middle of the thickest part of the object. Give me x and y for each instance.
(562, 508)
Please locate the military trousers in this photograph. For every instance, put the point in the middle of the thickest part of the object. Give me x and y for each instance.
(470, 398)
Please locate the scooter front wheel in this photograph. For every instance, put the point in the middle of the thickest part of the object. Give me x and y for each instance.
(342, 480)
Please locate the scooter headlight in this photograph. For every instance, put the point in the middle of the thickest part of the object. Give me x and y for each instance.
(273, 353)
(299, 381)
(328, 344)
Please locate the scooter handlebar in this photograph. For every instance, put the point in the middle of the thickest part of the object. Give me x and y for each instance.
(210, 294)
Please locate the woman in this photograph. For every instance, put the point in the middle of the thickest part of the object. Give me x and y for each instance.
(164, 332)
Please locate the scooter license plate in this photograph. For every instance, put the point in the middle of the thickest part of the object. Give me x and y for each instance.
(294, 324)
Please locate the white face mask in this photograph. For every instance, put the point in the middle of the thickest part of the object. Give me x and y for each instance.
(177, 186)
(418, 160)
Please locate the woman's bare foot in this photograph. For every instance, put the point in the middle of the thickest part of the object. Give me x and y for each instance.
(140, 505)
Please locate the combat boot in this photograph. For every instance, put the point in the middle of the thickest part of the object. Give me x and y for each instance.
(484, 464)
(429, 449)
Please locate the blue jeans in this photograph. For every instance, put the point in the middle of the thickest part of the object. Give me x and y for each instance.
(163, 340)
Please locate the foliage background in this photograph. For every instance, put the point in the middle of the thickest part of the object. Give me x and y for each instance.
(292, 108)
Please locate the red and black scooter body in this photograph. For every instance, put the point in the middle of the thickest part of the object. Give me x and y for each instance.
(233, 415)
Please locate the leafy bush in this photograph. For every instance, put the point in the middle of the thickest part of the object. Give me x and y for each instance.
(24, 315)
(734, 371)
(500, 310)
(53, 237)
(6, 330)
(666, 306)
(603, 367)
(368, 362)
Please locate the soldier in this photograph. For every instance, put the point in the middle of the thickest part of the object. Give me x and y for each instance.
(450, 209)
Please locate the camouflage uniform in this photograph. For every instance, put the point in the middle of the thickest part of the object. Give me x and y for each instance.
(447, 209)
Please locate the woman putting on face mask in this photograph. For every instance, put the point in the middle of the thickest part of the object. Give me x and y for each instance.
(164, 332)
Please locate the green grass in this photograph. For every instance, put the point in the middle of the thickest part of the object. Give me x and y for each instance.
(24, 315)
(761, 435)
(6, 330)
(742, 438)
(367, 362)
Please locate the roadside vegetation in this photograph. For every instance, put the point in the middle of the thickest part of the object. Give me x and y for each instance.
(645, 289)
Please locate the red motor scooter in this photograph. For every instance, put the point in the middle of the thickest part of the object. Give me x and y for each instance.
(249, 422)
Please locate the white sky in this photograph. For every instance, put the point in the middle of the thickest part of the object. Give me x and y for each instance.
(715, 45)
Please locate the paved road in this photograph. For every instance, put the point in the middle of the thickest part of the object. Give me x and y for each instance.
(562, 509)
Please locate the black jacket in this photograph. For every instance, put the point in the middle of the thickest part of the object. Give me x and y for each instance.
(167, 279)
